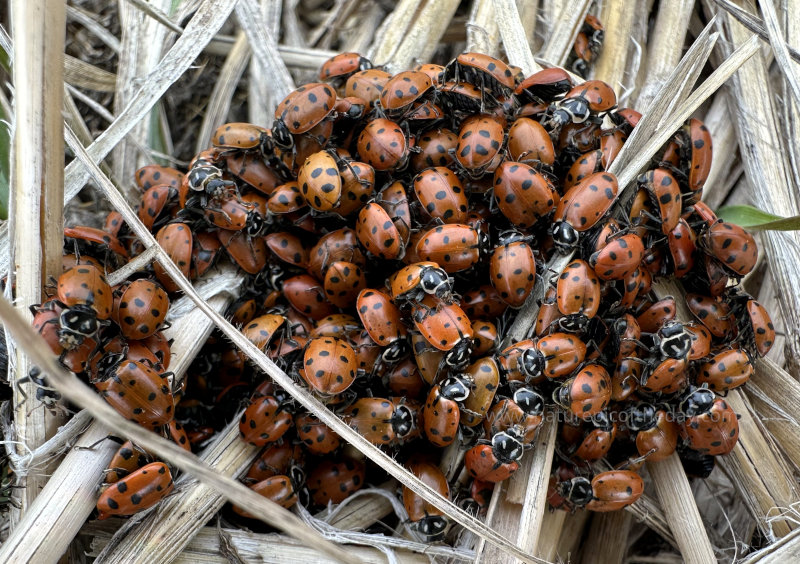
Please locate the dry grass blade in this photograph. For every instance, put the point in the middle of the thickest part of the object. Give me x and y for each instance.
(301, 395)
(424, 34)
(219, 104)
(208, 18)
(783, 550)
(260, 98)
(265, 49)
(779, 48)
(89, 21)
(753, 23)
(647, 510)
(691, 64)
(613, 525)
(156, 13)
(36, 182)
(553, 529)
(665, 45)
(565, 30)
(81, 74)
(515, 40)
(389, 36)
(483, 33)
(681, 511)
(671, 123)
(618, 24)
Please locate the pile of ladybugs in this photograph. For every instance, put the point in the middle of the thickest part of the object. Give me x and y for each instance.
(389, 228)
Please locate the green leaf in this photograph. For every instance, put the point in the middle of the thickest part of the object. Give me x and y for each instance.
(756, 219)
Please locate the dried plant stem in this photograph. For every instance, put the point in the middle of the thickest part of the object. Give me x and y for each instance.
(553, 531)
(648, 511)
(37, 181)
(514, 36)
(389, 36)
(422, 37)
(723, 135)
(783, 550)
(70, 495)
(360, 513)
(219, 103)
(664, 44)
(260, 97)
(618, 23)
(604, 526)
(779, 48)
(483, 34)
(528, 16)
(565, 30)
(502, 515)
(181, 516)
(678, 501)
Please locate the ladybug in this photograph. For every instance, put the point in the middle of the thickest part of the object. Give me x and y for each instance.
(412, 283)
(307, 296)
(367, 84)
(336, 325)
(150, 175)
(625, 379)
(426, 519)
(665, 196)
(339, 68)
(614, 490)
(379, 420)
(732, 246)
(279, 489)
(725, 370)
(681, 242)
(709, 424)
(434, 149)
(581, 207)
(701, 340)
(578, 291)
(441, 414)
(652, 316)
(329, 365)
(594, 444)
(127, 459)
(484, 375)
(343, 282)
(554, 356)
(154, 203)
(91, 241)
(176, 239)
(301, 110)
(402, 90)
(275, 459)
(404, 380)
(591, 97)
(286, 198)
(265, 420)
(244, 137)
(530, 144)
(378, 234)
(454, 247)
(713, 313)
(136, 492)
(496, 461)
(382, 320)
(250, 168)
(701, 156)
(544, 86)
(754, 323)
(135, 390)
(341, 244)
(261, 330)
(142, 308)
(480, 141)
(512, 268)
(461, 97)
(288, 247)
(485, 337)
(523, 413)
(334, 480)
(656, 431)
(318, 438)
(585, 394)
(483, 302)
(441, 195)
(523, 195)
(383, 145)
(446, 328)
(485, 72)
(619, 258)
(320, 181)
(84, 289)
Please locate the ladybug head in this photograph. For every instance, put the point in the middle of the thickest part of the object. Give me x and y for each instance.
(565, 236)
(256, 224)
(576, 110)
(577, 490)
(699, 401)
(77, 323)
(432, 527)
(435, 281)
(531, 363)
(580, 67)
(200, 176)
(458, 356)
(602, 421)
(573, 323)
(108, 364)
(280, 133)
(562, 396)
(35, 376)
(403, 420)
(530, 402)
(297, 476)
(396, 351)
(642, 417)
(510, 236)
(507, 445)
(675, 340)
(456, 388)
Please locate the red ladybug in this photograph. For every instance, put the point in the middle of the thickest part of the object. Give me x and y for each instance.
(320, 181)
(275, 459)
(244, 137)
(594, 442)
(725, 369)
(665, 196)
(578, 292)
(127, 459)
(142, 307)
(446, 328)
(379, 420)
(480, 141)
(529, 144)
(426, 519)
(301, 110)
(412, 283)
(333, 481)
(585, 394)
(402, 90)
(512, 268)
(553, 356)
(732, 246)
(581, 207)
(485, 377)
(434, 149)
(383, 145)
(441, 195)
(383, 321)
(278, 489)
(709, 424)
(454, 247)
(378, 233)
(619, 258)
(367, 84)
(544, 86)
(497, 461)
(150, 175)
(483, 71)
(591, 97)
(523, 195)
(329, 365)
(713, 313)
(136, 492)
(317, 438)
(656, 431)
(442, 413)
(754, 323)
(521, 415)
(614, 490)
(265, 420)
(339, 68)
